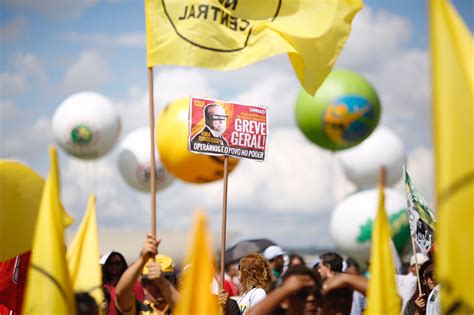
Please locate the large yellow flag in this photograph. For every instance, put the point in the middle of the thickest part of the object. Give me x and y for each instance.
(20, 195)
(196, 290)
(229, 34)
(83, 256)
(48, 288)
(382, 296)
(452, 49)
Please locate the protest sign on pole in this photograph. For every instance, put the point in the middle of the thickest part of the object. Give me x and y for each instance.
(230, 129)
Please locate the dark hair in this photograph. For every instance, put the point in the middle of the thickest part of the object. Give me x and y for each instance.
(350, 262)
(106, 276)
(332, 260)
(293, 256)
(85, 304)
(303, 270)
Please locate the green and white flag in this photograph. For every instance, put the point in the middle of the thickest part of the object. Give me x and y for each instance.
(421, 217)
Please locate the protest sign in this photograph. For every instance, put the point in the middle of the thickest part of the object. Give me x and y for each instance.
(227, 128)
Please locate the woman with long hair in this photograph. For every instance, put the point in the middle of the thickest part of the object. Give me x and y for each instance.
(255, 280)
(113, 266)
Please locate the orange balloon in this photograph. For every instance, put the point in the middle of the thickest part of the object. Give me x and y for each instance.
(172, 141)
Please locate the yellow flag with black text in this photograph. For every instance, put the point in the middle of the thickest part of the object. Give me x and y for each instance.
(196, 289)
(229, 34)
(382, 295)
(48, 286)
(452, 54)
(83, 256)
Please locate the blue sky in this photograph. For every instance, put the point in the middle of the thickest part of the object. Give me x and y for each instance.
(52, 49)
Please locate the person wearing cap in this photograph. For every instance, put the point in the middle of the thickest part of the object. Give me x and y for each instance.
(418, 259)
(160, 294)
(274, 254)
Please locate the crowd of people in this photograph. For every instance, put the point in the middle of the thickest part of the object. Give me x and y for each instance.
(268, 282)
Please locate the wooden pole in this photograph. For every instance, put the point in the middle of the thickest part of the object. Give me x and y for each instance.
(224, 221)
(416, 265)
(152, 152)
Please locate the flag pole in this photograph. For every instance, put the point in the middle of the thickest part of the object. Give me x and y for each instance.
(152, 151)
(416, 264)
(224, 221)
(382, 175)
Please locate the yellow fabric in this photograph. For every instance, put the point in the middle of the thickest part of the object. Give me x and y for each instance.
(452, 49)
(382, 296)
(166, 264)
(83, 256)
(196, 291)
(234, 34)
(48, 288)
(20, 196)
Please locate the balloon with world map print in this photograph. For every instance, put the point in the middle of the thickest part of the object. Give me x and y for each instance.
(86, 125)
(172, 142)
(134, 162)
(343, 112)
(351, 222)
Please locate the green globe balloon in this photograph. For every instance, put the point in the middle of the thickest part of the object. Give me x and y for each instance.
(343, 112)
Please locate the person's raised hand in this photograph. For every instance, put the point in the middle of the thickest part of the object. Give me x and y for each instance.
(150, 247)
(335, 281)
(155, 273)
(222, 297)
(294, 283)
(420, 302)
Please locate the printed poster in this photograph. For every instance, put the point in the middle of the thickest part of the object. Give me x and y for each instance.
(226, 128)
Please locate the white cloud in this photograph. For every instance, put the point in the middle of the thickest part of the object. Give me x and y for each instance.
(90, 71)
(130, 39)
(54, 9)
(13, 29)
(25, 69)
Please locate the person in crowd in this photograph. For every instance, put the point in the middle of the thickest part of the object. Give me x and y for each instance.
(274, 255)
(113, 266)
(85, 304)
(359, 302)
(231, 271)
(329, 263)
(298, 294)
(426, 302)
(255, 280)
(352, 266)
(296, 259)
(419, 259)
(160, 294)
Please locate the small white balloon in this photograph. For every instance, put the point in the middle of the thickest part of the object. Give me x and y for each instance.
(134, 162)
(351, 222)
(86, 125)
(361, 164)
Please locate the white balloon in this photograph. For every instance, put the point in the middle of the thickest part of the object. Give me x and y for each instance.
(86, 125)
(134, 162)
(361, 163)
(351, 221)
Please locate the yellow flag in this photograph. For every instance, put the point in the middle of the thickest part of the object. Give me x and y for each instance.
(229, 34)
(452, 52)
(20, 196)
(83, 256)
(196, 289)
(48, 288)
(382, 296)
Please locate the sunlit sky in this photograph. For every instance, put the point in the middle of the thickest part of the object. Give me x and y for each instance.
(52, 49)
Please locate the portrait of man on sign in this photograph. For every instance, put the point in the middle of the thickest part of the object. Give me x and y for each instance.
(215, 125)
